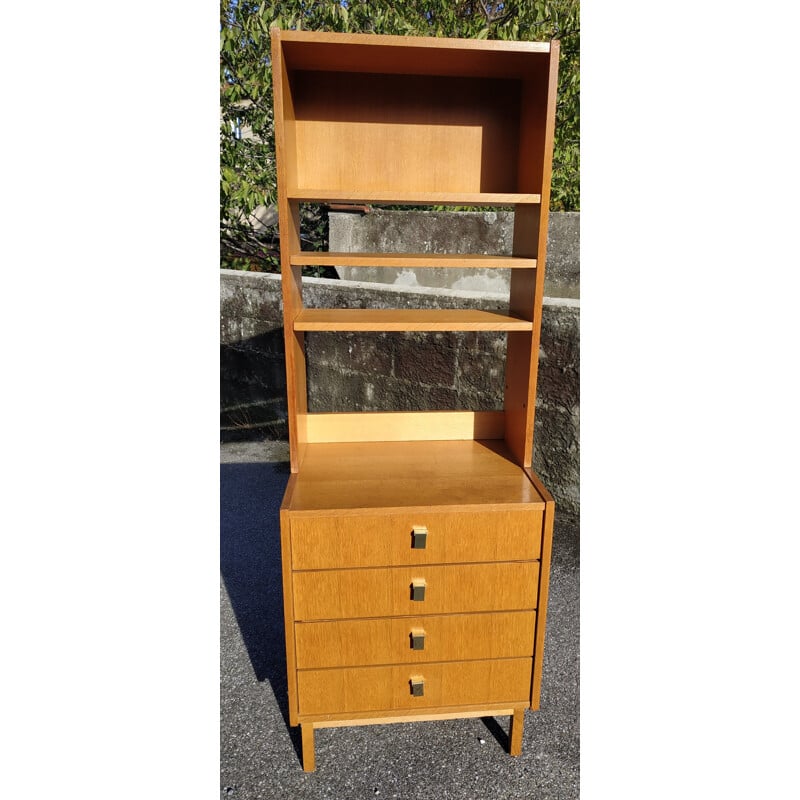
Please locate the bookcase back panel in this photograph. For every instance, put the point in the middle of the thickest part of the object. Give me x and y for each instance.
(438, 134)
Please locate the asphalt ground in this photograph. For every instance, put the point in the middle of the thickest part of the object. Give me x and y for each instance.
(260, 753)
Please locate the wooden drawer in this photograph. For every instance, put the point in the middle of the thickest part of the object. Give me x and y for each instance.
(455, 637)
(331, 691)
(387, 591)
(336, 542)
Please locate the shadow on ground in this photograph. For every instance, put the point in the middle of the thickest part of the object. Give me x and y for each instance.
(250, 561)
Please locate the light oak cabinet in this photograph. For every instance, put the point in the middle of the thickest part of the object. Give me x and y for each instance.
(415, 545)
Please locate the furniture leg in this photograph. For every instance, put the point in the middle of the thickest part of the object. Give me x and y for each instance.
(515, 734)
(307, 733)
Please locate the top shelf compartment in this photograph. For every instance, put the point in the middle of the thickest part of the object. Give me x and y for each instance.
(410, 55)
(395, 120)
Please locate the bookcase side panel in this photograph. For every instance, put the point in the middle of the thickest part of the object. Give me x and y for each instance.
(289, 225)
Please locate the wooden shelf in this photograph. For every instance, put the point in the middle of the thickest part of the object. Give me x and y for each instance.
(366, 475)
(411, 260)
(389, 197)
(411, 54)
(368, 319)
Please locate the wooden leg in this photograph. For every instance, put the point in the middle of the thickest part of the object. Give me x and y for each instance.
(514, 735)
(307, 733)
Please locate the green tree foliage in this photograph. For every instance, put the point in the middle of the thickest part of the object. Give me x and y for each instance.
(247, 148)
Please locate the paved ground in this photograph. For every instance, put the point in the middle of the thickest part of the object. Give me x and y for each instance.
(260, 754)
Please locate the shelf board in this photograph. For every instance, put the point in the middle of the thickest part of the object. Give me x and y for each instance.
(304, 50)
(411, 260)
(369, 319)
(388, 197)
(356, 477)
(315, 39)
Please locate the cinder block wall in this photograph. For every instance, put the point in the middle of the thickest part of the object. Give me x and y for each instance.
(445, 232)
(396, 371)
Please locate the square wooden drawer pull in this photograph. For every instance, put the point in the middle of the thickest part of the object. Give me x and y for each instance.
(418, 589)
(419, 537)
(417, 639)
(417, 685)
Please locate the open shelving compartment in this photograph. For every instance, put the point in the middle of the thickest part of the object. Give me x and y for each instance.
(408, 120)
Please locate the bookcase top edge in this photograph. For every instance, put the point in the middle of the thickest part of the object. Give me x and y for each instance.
(385, 40)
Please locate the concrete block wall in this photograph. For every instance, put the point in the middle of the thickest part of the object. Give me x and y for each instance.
(445, 232)
(252, 364)
(396, 371)
(402, 371)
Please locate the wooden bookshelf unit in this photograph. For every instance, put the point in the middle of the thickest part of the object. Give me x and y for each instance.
(415, 545)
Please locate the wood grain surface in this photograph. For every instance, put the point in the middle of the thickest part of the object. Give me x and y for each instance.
(406, 319)
(450, 637)
(359, 477)
(400, 426)
(339, 542)
(386, 591)
(360, 689)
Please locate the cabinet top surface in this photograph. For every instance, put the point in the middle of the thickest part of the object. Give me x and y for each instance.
(365, 476)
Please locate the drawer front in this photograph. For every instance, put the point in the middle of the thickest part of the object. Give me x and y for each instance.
(410, 640)
(388, 591)
(337, 542)
(331, 691)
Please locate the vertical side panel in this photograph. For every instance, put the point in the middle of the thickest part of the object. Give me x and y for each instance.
(292, 290)
(544, 588)
(285, 118)
(288, 602)
(521, 357)
(289, 220)
(552, 90)
(530, 238)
